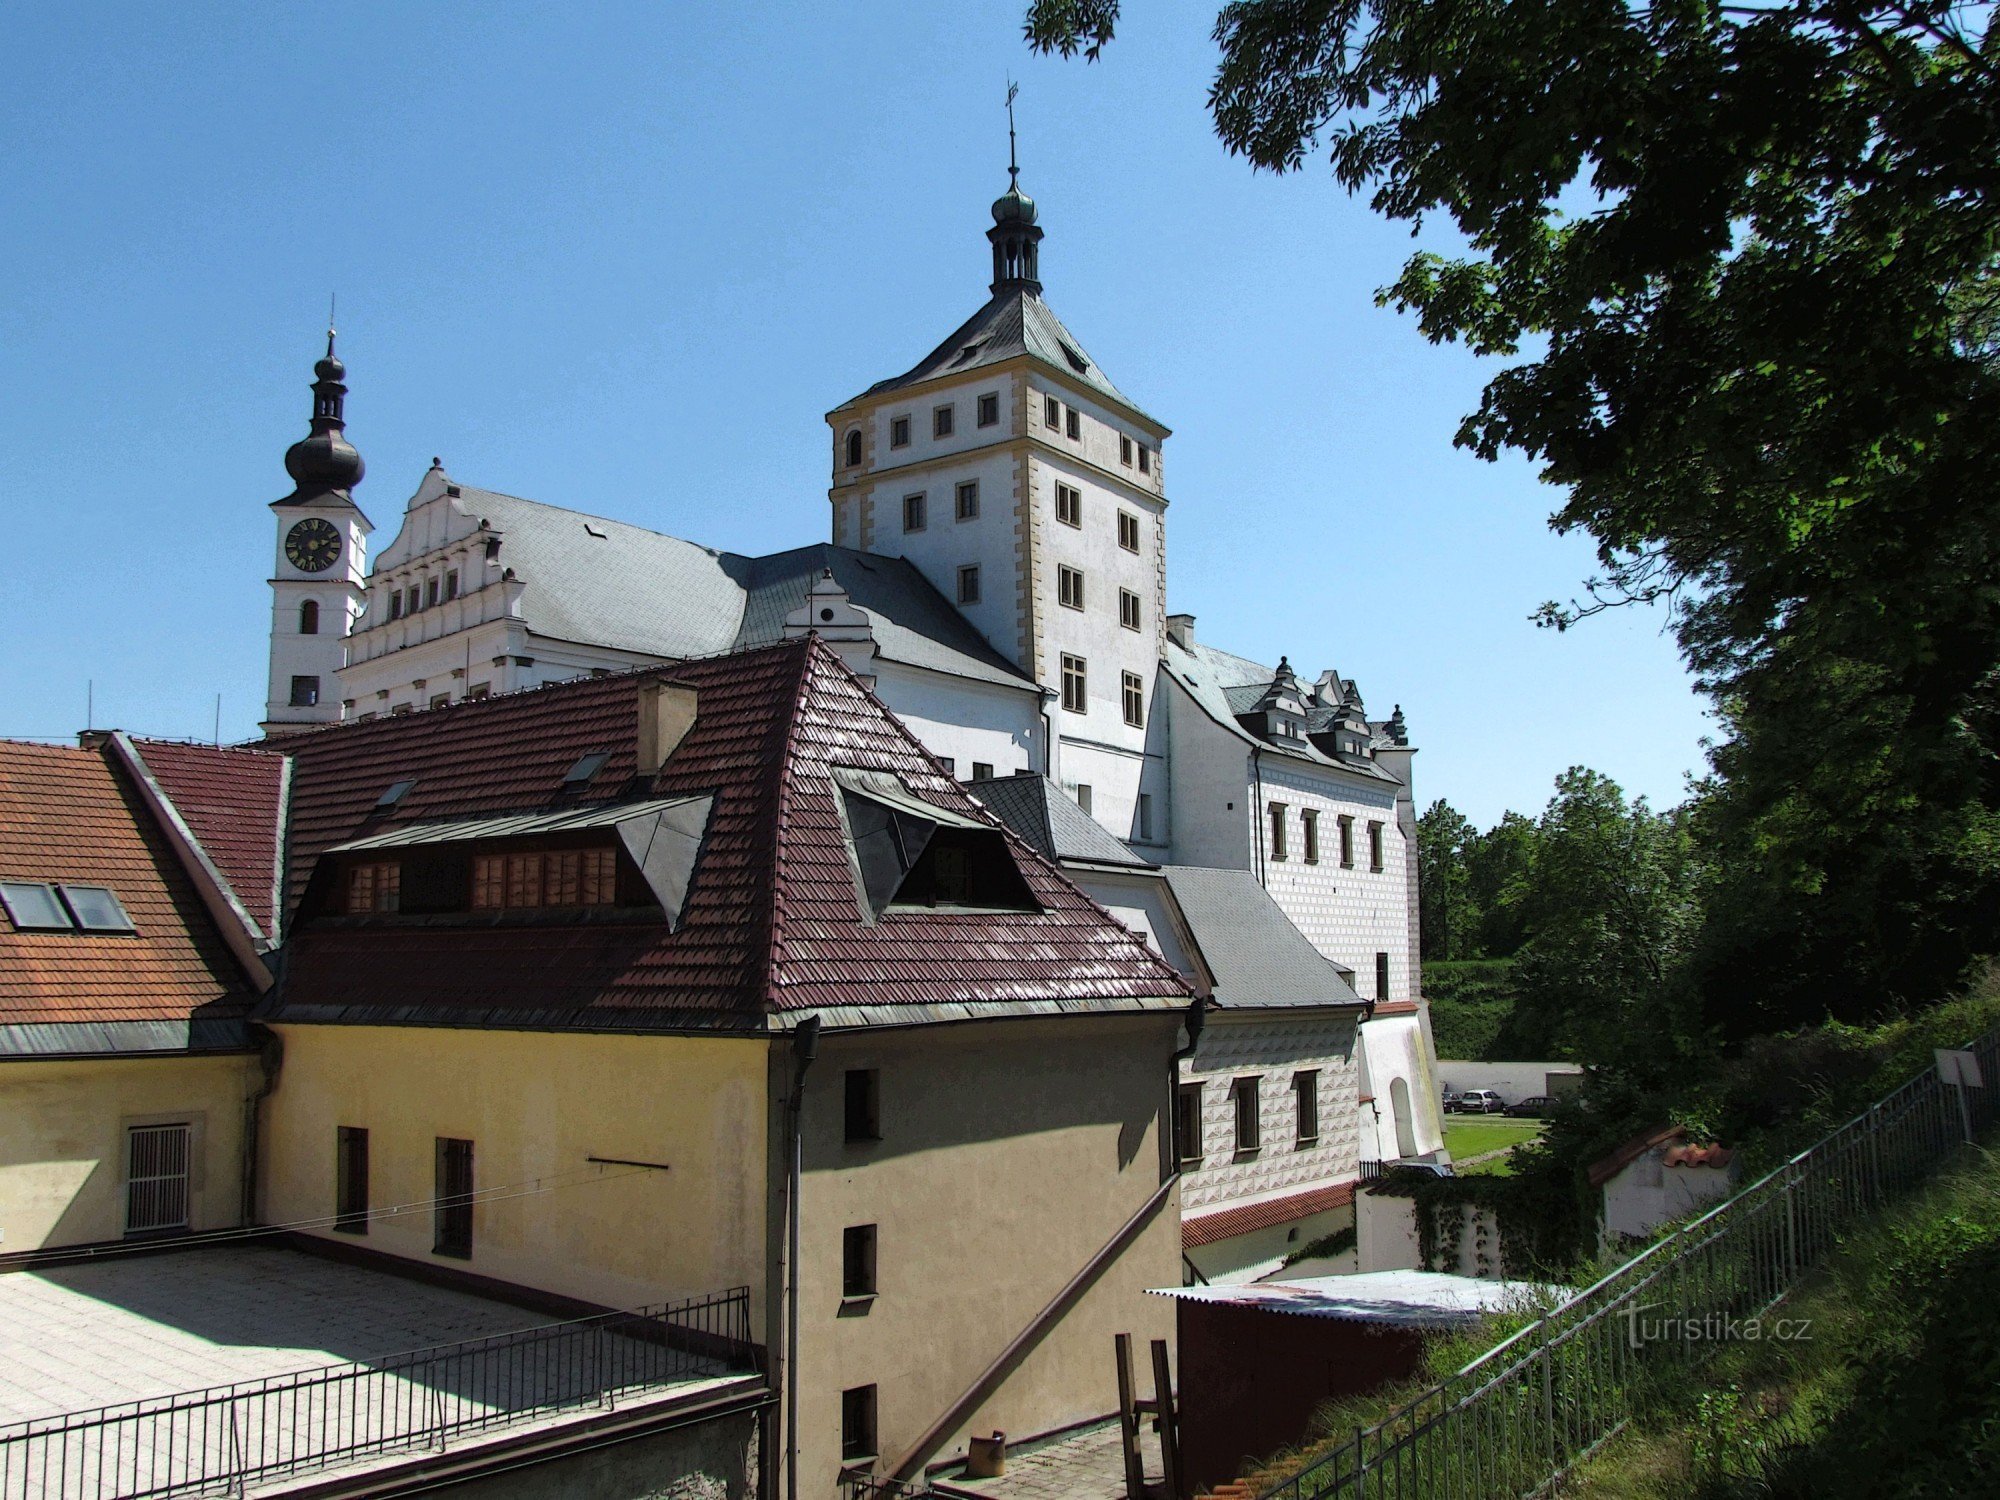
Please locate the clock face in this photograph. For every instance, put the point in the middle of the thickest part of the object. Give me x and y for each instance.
(313, 545)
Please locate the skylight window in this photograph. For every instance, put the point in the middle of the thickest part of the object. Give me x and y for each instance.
(593, 531)
(968, 352)
(396, 792)
(33, 907)
(586, 767)
(96, 908)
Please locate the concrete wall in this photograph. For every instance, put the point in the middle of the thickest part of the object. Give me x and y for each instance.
(535, 1106)
(1011, 1153)
(1512, 1081)
(62, 1141)
(1647, 1194)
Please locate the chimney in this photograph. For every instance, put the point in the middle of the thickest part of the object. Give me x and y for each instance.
(1180, 630)
(666, 714)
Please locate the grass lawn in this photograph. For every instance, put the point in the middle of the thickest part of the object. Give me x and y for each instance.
(1477, 1134)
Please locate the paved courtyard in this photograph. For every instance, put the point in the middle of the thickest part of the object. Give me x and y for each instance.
(1085, 1465)
(93, 1334)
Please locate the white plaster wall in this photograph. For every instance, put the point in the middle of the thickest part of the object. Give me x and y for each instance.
(1102, 425)
(1396, 1048)
(962, 720)
(1513, 1081)
(966, 435)
(1647, 1194)
(1209, 778)
(1260, 1255)
(1141, 903)
(338, 594)
(1272, 1045)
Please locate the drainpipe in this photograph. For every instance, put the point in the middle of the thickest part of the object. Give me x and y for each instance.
(270, 1057)
(805, 1047)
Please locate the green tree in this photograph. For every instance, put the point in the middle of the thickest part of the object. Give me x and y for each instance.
(1750, 250)
(1498, 867)
(1449, 920)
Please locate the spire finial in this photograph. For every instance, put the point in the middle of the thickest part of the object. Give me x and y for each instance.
(332, 302)
(1013, 166)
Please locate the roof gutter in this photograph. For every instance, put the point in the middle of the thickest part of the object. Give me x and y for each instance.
(239, 929)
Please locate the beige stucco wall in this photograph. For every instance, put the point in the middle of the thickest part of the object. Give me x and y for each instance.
(62, 1141)
(1012, 1151)
(535, 1105)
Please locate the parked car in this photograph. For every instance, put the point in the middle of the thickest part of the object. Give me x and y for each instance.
(1533, 1107)
(1479, 1102)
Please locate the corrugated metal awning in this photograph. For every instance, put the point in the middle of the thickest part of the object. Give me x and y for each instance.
(514, 825)
(1394, 1299)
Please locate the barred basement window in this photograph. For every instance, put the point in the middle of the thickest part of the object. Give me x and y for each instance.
(452, 1220)
(374, 887)
(350, 1187)
(1074, 684)
(1069, 505)
(1128, 609)
(989, 411)
(1128, 531)
(157, 1159)
(1134, 695)
(968, 500)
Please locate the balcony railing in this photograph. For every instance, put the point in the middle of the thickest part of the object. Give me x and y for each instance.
(228, 1437)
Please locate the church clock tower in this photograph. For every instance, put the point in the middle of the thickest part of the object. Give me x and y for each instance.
(317, 583)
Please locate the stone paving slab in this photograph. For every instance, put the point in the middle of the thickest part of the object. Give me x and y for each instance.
(1085, 1465)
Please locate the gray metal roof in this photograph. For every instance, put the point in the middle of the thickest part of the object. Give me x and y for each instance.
(1049, 822)
(516, 825)
(602, 582)
(1014, 322)
(1255, 954)
(1218, 681)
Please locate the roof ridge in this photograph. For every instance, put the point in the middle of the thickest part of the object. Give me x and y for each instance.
(773, 913)
(588, 515)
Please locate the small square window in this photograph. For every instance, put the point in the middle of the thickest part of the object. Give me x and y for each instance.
(950, 763)
(305, 692)
(1083, 795)
(1069, 587)
(968, 584)
(1249, 1123)
(863, 1105)
(1074, 684)
(1128, 531)
(899, 432)
(968, 499)
(913, 512)
(982, 770)
(1145, 459)
(989, 410)
(1187, 1124)
(1075, 424)
(1128, 609)
(857, 1260)
(942, 418)
(1069, 504)
(1134, 695)
(34, 907)
(96, 908)
(857, 1423)
(1051, 411)
(1124, 450)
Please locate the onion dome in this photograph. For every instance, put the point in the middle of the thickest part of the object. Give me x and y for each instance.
(323, 461)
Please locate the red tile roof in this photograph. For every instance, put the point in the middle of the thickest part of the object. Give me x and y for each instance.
(1231, 1222)
(1698, 1156)
(67, 815)
(772, 921)
(229, 799)
(1677, 1154)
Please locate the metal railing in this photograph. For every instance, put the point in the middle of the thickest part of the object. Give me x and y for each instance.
(1519, 1416)
(228, 1437)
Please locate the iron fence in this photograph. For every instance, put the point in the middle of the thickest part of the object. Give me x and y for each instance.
(225, 1438)
(1519, 1416)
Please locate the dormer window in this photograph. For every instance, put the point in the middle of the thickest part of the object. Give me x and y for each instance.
(549, 877)
(909, 853)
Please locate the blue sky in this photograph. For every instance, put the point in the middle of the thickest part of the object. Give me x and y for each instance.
(624, 257)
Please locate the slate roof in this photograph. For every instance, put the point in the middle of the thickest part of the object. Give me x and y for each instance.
(603, 582)
(1014, 322)
(772, 923)
(1049, 821)
(68, 815)
(229, 797)
(1255, 955)
(1218, 682)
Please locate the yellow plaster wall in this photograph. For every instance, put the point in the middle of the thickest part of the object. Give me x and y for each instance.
(62, 1141)
(977, 1235)
(535, 1105)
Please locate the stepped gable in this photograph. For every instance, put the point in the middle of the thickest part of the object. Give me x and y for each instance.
(773, 921)
(68, 816)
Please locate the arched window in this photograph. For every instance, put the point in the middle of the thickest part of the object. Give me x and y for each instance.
(1399, 1105)
(309, 617)
(854, 448)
